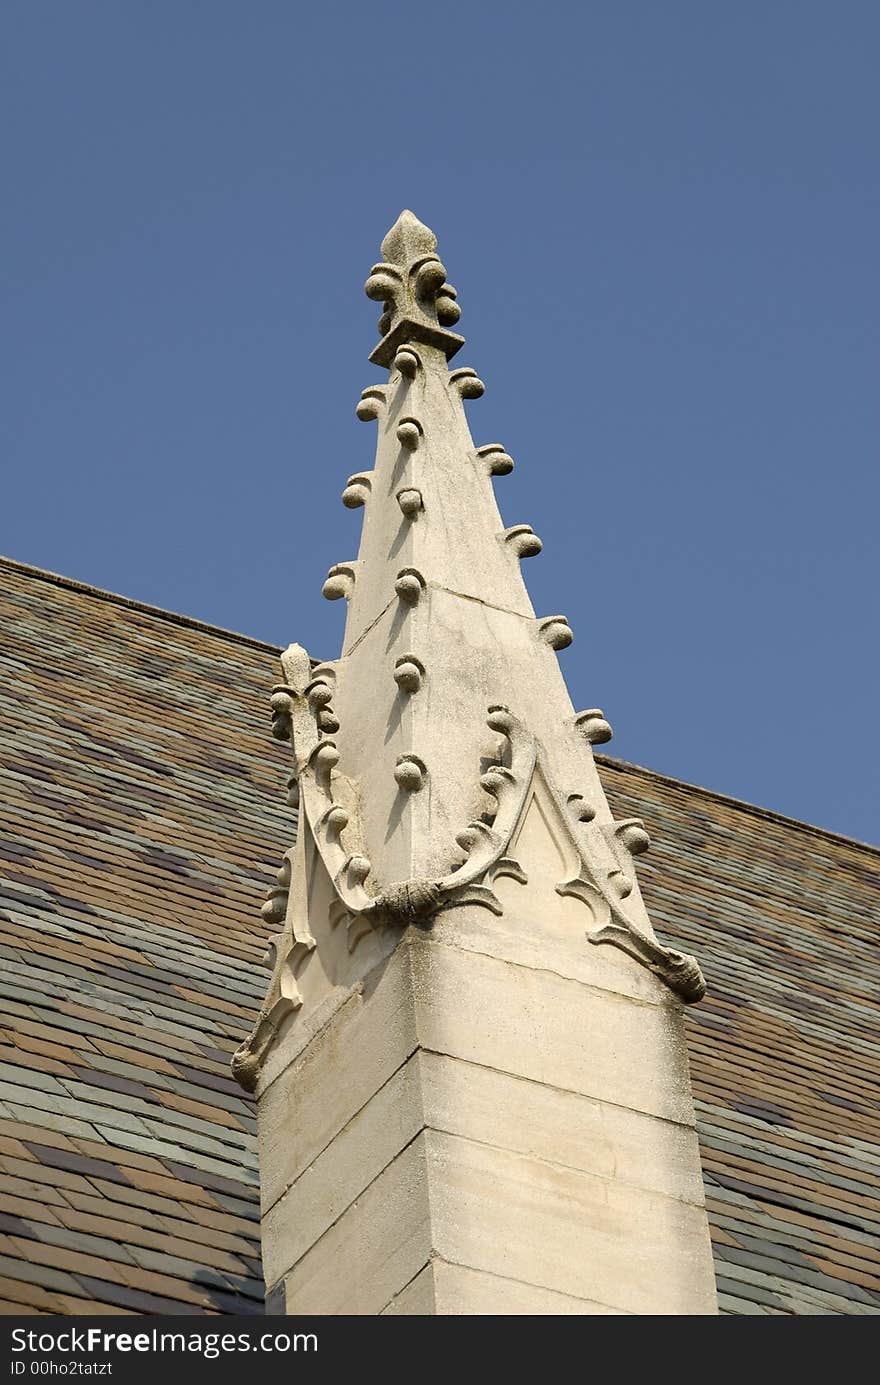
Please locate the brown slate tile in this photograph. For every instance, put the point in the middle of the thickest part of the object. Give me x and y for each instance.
(31, 1172)
(200, 1109)
(13, 1186)
(125, 1158)
(171, 1187)
(137, 1197)
(223, 1220)
(37, 1254)
(128, 1300)
(87, 1307)
(42, 1133)
(29, 1209)
(35, 1062)
(19, 1296)
(147, 858)
(76, 1163)
(108, 1206)
(8, 1145)
(65, 1052)
(236, 1242)
(131, 1235)
(142, 1056)
(167, 1285)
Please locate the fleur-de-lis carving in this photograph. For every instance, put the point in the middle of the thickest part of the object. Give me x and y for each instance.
(419, 304)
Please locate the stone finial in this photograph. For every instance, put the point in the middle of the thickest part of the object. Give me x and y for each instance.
(441, 775)
(410, 282)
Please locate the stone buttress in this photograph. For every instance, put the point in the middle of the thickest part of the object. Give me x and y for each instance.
(470, 1064)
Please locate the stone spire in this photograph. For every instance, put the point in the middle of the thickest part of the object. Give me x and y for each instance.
(441, 772)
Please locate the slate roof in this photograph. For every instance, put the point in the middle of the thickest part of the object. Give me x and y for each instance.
(141, 818)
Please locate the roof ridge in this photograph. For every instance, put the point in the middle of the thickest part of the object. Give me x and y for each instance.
(190, 622)
(755, 808)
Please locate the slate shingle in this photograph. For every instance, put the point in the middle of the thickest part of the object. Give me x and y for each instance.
(142, 816)
(785, 922)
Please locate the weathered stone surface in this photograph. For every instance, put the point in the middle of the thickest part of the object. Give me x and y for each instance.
(507, 1136)
(374, 1249)
(780, 912)
(534, 1024)
(364, 1147)
(418, 1299)
(442, 1288)
(360, 1048)
(459, 1290)
(445, 1049)
(592, 1238)
(562, 1127)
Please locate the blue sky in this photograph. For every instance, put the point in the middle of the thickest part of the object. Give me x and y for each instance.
(663, 221)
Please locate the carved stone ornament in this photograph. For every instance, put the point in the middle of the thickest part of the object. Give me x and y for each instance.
(555, 631)
(389, 742)
(339, 583)
(286, 953)
(467, 382)
(357, 491)
(593, 726)
(409, 433)
(410, 501)
(409, 585)
(604, 880)
(496, 461)
(407, 362)
(522, 540)
(371, 403)
(409, 673)
(410, 283)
